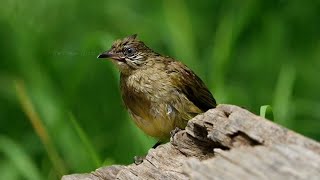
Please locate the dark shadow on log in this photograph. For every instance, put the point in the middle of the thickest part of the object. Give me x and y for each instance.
(227, 142)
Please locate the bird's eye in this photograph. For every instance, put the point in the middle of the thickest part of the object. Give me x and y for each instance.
(129, 51)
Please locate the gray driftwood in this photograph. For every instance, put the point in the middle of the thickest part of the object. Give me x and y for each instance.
(224, 143)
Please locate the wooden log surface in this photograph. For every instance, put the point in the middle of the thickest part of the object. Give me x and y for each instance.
(227, 142)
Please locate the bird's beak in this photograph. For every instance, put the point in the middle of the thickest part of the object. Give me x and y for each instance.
(106, 54)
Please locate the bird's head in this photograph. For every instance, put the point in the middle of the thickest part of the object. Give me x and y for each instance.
(128, 54)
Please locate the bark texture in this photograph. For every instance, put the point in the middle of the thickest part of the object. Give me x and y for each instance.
(227, 142)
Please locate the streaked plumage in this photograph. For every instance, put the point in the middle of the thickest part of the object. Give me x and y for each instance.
(159, 92)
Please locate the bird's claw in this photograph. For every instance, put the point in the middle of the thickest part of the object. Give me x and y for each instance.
(175, 131)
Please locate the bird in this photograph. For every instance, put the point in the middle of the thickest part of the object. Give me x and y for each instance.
(159, 92)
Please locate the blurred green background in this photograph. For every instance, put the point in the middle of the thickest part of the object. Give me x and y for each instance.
(60, 107)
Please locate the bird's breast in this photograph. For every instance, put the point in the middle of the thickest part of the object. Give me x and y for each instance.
(147, 95)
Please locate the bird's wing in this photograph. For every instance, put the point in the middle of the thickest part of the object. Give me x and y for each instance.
(191, 85)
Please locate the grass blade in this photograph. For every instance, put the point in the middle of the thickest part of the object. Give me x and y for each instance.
(39, 128)
(266, 112)
(23, 163)
(85, 140)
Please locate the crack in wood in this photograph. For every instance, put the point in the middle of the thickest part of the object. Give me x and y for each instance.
(240, 138)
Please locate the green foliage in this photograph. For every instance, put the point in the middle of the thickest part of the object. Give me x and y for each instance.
(17, 156)
(60, 107)
(266, 112)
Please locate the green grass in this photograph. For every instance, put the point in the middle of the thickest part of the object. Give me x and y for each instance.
(21, 160)
(266, 112)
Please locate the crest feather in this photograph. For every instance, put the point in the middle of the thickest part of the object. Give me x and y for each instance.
(132, 37)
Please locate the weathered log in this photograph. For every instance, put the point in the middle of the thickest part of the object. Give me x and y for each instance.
(227, 142)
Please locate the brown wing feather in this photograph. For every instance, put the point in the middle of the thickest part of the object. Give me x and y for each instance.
(191, 85)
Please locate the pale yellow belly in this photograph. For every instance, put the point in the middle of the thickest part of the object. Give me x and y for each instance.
(159, 128)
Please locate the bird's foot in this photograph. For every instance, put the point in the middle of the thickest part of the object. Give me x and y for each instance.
(175, 131)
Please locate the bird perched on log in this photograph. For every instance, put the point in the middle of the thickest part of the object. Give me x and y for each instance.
(160, 93)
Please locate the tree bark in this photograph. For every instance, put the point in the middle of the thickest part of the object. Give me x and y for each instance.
(227, 142)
